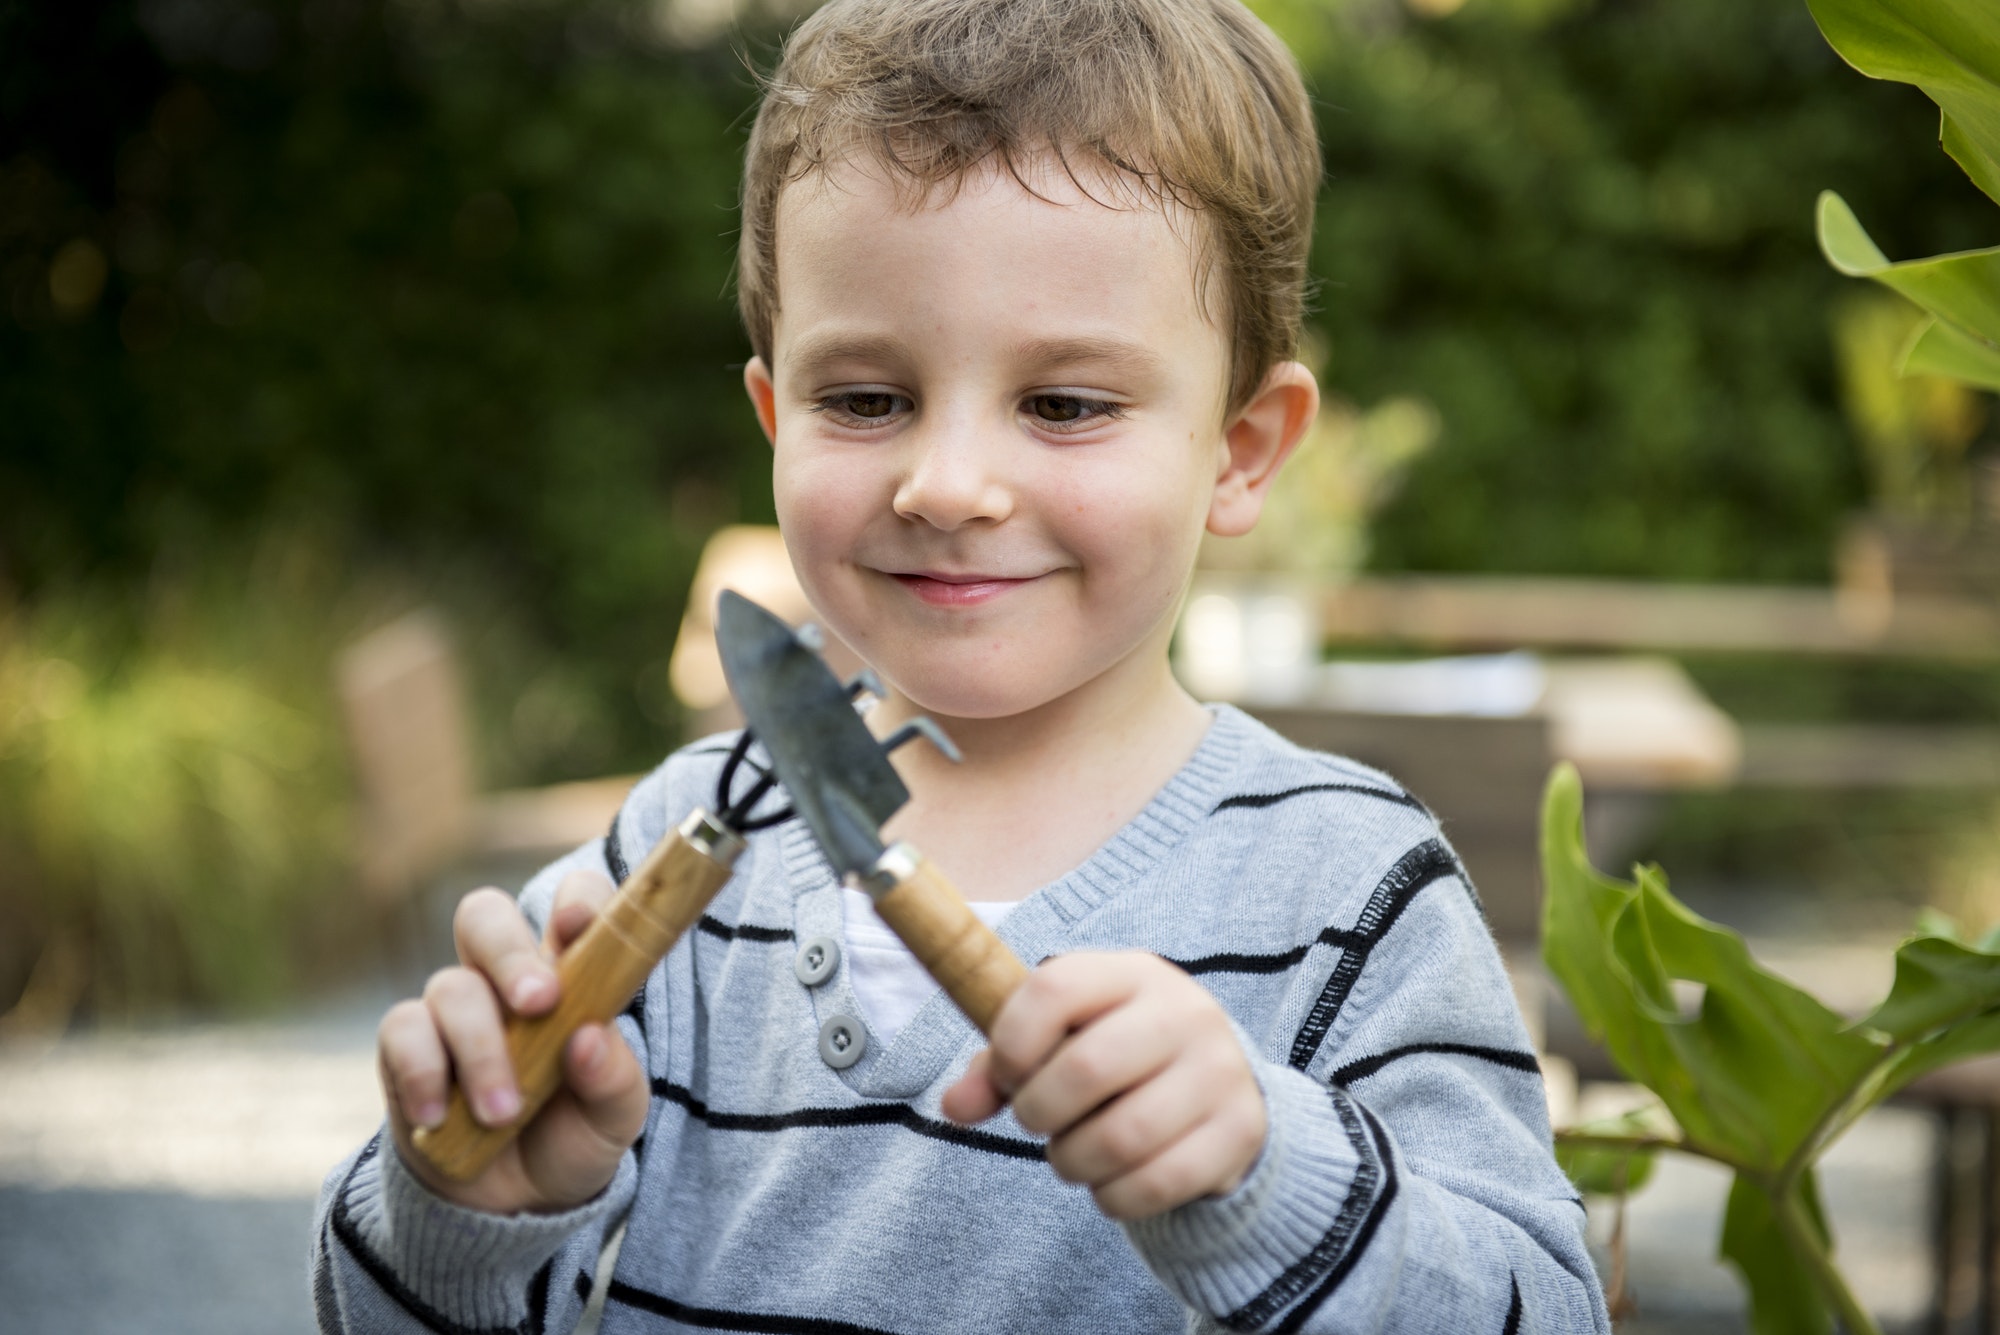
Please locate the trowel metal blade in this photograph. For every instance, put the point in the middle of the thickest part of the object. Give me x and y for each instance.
(840, 783)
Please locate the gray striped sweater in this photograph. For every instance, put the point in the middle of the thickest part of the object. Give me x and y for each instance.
(1406, 1184)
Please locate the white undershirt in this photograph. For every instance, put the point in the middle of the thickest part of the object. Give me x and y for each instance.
(888, 982)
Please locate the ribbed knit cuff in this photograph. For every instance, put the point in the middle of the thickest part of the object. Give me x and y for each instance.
(1222, 1254)
(472, 1267)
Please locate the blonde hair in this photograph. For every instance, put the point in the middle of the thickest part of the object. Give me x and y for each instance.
(1194, 101)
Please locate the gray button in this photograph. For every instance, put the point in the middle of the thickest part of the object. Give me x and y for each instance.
(842, 1040)
(817, 959)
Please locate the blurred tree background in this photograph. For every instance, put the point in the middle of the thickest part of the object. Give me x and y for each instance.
(318, 310)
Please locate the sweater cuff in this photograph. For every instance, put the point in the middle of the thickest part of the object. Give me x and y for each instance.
(1250, 1253)
(469, 1266)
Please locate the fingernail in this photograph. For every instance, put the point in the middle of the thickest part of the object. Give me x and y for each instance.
(499, 1105)
(431, 1114)
(526, 991)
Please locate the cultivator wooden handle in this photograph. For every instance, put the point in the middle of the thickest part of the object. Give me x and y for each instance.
(598, 973)
(964, 955)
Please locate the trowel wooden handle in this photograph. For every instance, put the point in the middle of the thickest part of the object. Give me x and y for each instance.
(598, 974)
(973, 965)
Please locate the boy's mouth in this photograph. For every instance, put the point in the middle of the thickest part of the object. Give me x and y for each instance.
(943, 589)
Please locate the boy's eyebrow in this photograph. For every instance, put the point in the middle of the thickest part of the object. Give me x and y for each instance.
(1117, 354)
(817, 350)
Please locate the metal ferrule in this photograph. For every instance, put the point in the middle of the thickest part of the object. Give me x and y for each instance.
(898, 863)
(712, 838)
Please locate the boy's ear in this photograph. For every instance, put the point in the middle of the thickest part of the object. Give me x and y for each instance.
(1256, 443)
(763, 396)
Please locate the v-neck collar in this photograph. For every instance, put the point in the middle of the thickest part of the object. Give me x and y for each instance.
(1041, 926)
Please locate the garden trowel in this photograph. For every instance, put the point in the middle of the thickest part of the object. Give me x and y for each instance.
(843, 787)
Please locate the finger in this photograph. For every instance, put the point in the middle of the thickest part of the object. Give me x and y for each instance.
(494, 938)
(416, 1073)
(974, 1097)
(579, 898)
(1061, 995)
(1134, 1128)
(1210, 1160)
(1113, 1053)
(467, 1015)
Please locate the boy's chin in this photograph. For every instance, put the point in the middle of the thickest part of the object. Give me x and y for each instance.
(973, 702)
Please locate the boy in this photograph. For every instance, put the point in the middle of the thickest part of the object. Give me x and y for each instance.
(1022, 278)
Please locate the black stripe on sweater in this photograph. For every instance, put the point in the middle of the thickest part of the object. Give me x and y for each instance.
(1513, 1326)
(863, 1114)
(747, 931)
(1298, 1316)
(1367, 1066)
(1255, 801)
(614, 858)
(342, 1223)
(1334, 1242)
(583, 1286)
(1278, 963)
(709, 1318)
(538, 1299)
(614, 853)
(1427, 862)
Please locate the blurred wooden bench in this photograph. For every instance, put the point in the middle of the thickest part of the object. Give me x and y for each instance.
(403, 706)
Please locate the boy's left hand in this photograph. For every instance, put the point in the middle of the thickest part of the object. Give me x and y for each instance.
(1132, 1071)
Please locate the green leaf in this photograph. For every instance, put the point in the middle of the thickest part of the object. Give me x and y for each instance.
(1939, 982)
(1785, 1299)
(1971, 1038)
(1948, 48)
(1605, 1170)
(1980, 166)
(1945, 349)
(1961, 289)
(1597, 1171)
(1753, 1071)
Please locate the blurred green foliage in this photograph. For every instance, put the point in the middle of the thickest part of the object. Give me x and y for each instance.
(173, 794)
(454, 277)
(451, 279)
(1583, 231)
(439, 291)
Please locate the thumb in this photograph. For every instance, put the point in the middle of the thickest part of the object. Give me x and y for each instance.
(572, 1148)
(610, 1089)
(578, 900)
(975, 1097)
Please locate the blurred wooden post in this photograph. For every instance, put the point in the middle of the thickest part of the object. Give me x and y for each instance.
(405, 715)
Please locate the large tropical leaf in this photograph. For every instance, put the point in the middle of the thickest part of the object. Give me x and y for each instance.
(1784, 1300)
(1750, 1070)
(1961, 289)
(1946, 350)
(1757, 1073)
(1948, 48)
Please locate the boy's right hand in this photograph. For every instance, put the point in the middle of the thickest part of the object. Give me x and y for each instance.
(570, 1151)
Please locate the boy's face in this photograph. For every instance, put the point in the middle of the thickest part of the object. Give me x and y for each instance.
(998, 432)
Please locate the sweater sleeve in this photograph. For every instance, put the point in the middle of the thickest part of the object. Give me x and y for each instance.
(1407, 1183)
(388, 1255)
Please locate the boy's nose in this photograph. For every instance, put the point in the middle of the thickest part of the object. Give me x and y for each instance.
(951, 481)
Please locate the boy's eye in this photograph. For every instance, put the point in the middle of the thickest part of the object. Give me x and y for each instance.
(862, 406)
(869, 405)
(1069, 410)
